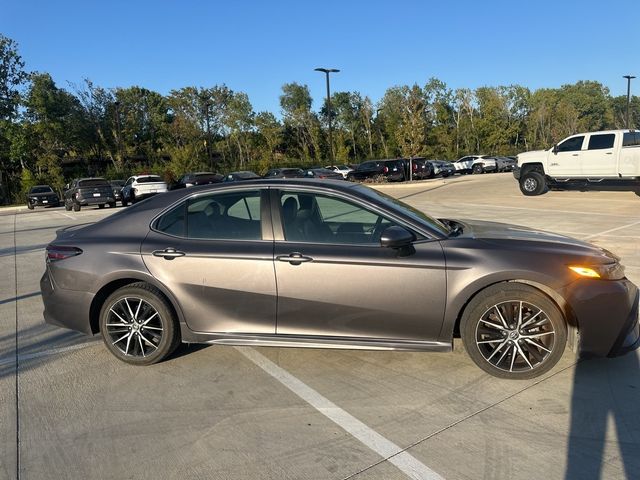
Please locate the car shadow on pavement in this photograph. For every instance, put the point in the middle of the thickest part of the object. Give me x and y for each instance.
(605, 388)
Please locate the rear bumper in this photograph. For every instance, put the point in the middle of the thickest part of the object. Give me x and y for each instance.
(607, 316)
(95, 200)
(44, 203)
(56, 306)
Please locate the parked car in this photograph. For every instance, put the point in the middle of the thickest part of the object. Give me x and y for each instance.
(475, 164)
(505, 164)
(196, 178)
(83, 192)
(332, 248)
(140, 187)
(421, 168)
(323, 173)
(601, 160)
(341, 169)
(390, 170)
(285, 173)
(241, 176)
(117, 185)
(442, 168)
(42, 196)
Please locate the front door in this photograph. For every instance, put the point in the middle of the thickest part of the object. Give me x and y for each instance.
(566, 162)
(334, 278)
(215, 253)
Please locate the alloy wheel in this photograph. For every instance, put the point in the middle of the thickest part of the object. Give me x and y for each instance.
(134, 327)
(530, 184)
(515, 336)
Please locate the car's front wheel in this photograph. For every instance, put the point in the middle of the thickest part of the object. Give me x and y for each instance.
(532, 183)
(513, 331)
(138, 325)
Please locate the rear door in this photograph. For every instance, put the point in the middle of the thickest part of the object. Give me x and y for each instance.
(214, 251)
(335, 280)
(600, 159)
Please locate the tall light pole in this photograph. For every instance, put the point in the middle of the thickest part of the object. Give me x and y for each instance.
(206, 113)
(327, 71)
(628, 77)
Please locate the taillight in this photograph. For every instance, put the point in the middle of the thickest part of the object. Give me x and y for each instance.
(386, 170)
(56, 252)
(415, 167)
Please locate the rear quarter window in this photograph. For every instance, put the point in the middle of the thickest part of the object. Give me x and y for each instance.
(631, 139)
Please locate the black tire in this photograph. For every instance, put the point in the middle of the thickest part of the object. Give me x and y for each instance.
(30, 206)
(513, 331)
(112, 204)
(76, 207)
(67, 206)
(101, 205)
(149, 331)
(477, 169)
(533, 183)
(124, 203)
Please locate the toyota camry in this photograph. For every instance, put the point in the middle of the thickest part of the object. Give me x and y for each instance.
(328, 264)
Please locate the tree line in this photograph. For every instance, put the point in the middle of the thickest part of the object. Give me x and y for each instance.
(50, 134)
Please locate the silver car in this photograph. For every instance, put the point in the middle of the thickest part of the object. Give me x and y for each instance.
(322, 263)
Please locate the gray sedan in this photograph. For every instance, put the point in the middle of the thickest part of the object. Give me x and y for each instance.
(321, 263)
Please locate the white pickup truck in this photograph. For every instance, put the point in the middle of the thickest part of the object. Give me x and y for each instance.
(608, 160)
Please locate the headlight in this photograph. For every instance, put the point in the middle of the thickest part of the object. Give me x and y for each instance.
(607, 271)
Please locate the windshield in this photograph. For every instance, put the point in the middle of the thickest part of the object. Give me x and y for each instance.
(41, 190)
(408, 210)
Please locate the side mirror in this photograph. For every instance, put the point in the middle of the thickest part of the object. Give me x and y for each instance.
(555, 149)
(396, 237)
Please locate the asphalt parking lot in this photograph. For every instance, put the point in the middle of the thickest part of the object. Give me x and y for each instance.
(68, 409)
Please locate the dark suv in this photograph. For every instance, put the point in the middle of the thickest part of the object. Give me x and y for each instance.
(88, 191)
(196, 178)
(42, 195)
(391, 170)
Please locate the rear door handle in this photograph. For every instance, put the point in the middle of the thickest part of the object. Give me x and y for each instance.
(294, 258)
(575, 154)
(168, 253)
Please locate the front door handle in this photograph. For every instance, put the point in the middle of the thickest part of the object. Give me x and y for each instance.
(575, 154)
(168, 253)
(294, 258)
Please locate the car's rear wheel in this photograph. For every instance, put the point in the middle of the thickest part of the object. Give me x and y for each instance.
(532, 183)
(112, 204)
(513, 331)
(30, 206)
(101, 205)
(477, 168)
(76, 207)
(138, 326)
(67, 206)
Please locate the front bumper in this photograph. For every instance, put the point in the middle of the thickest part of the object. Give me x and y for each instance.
(607, 316)
(516, 173)
(44, 202)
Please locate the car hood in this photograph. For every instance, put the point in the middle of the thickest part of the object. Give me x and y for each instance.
(502, 232)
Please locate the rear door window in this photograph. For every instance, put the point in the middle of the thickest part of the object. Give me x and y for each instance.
(601, 142)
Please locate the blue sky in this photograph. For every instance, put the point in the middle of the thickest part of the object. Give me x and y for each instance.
(256, 46)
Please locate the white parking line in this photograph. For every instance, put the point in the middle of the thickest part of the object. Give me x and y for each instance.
(613, 230)
(404, 461)
(538, 210)
(65, 215)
